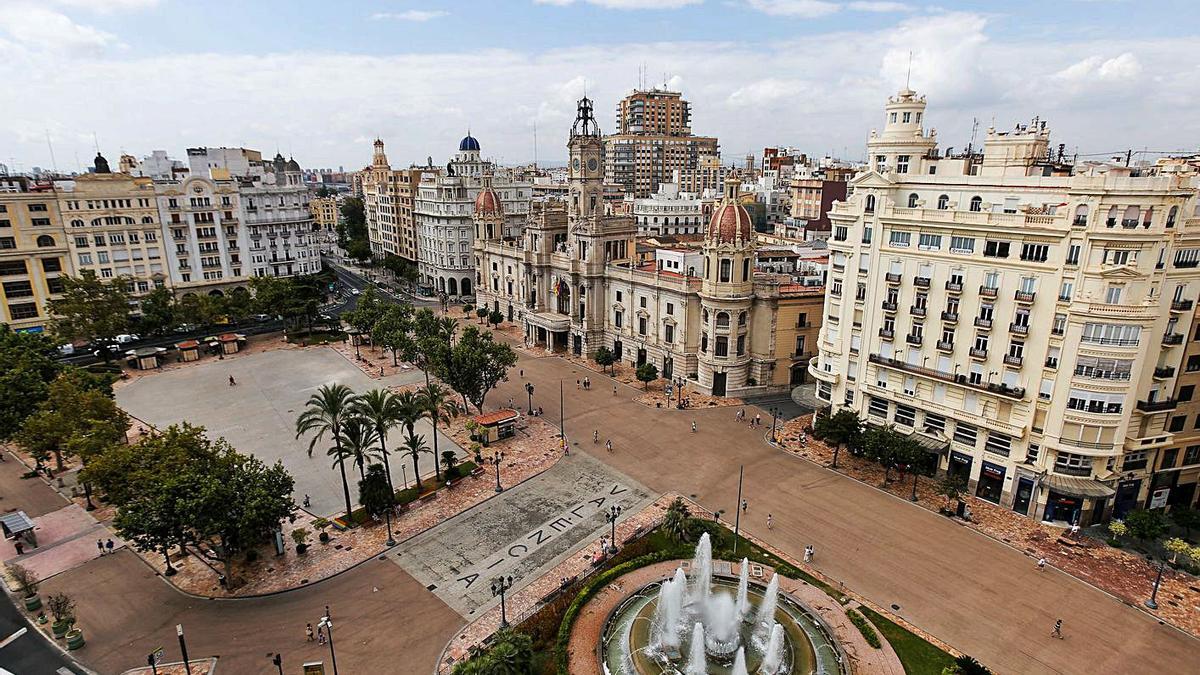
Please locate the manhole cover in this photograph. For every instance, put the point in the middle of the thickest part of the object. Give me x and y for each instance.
(896, 607)
(431, 587)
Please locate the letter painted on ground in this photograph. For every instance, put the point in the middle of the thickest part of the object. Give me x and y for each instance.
(539, 536)
(561, 524)
(524, 549)
(615, 491)
(470, 579)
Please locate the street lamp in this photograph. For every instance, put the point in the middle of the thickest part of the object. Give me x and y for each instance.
(387, 515)
(496, 461)
(913, 469)
(1151, 603)
(775, 413)
(327, 623)
(499, 587)
(611, 516)
(529, 393)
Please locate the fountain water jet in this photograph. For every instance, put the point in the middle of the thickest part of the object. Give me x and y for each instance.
(701, 572)
(766, 612)
(743, 602)
(668, 615)
(773, 653)
(721, 626)
(739, 663)
(697, 661)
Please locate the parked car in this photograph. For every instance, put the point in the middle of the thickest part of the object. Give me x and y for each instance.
(355, 291)
(186, 327)
(261, 318)
(127, 338)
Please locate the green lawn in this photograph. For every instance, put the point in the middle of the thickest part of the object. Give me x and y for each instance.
(918, 656)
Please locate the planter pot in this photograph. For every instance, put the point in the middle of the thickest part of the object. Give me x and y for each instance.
(60, 628)
(75, 639)
(301, 548)
(324, 537)
(33, 603)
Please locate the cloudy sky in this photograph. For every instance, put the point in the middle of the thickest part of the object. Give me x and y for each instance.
(321, 79)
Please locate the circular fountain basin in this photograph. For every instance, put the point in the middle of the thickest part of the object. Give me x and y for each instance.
(628, 648)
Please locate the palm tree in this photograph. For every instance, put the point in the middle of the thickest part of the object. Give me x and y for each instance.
(382, 410)
(413, 446)
(438, 407)
(326, 412)
(357, 442)
(447, 326)
(409, 410)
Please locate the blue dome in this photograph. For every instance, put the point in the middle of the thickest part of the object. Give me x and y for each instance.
(468, 144)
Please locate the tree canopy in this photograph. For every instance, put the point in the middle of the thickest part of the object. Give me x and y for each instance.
(27, 367)
(90, 308)
(475, 364)
(77, 416)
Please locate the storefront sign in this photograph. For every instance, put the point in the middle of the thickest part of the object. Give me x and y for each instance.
(992, 470)
(1159, 500)
(956, 456)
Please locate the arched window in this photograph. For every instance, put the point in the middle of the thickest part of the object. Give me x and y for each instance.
(977, 203)
(1171, 216)
(944, 202)
(76, 223)
(45, 241)
(722, 319)
(1081, 214)
(1131, 217)
(912, 201)
(742, 319)
(870, 208)
(726, 270)
(147, 220)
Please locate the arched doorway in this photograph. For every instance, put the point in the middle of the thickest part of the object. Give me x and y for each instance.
(216, 293)
(452, 286)
(564, 298)
(466, 286)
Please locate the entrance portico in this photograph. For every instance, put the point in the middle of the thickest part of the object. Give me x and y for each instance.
(548, 329)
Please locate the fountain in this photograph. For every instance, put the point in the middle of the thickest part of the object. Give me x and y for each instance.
(695, 624)
(773, 654)
(697, 660)
(743, 604)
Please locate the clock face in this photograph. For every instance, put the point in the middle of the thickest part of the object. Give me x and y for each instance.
(576, 165)
(592, 164)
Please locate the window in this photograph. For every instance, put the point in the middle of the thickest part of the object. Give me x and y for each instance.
(929, 242)
(912, 200)
(998, 444)
(642, 302)
(1095, 402)
(741, 345)
(669, 333)
(670, 308)
(1112, 295)
(45, 241)
(900, 239)
(1118, 257)
(18, 289)
(722, 348)
(1191, 455)
(1035, 252)
(617, 318)
(1168, 458)
(12, 267)
(726, 267)
(870, 206)
(24, 310)
(1066, 462)
(1073, 254)
(943, 202)
(965, 434)
(641, 325)
(618, 292)
(996, 249)
(906, 415)
(976, 203)
(902, 162)
(1186, 392)
(722, 320)
(7, 242)
(1031, 453)
(935, 423)
(1121, 335)
(878, 407)
(1066, 291)
(1135, 460)
(1177, 423)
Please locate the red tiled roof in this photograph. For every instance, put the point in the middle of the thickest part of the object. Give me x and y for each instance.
(496, 416)
(487, 203)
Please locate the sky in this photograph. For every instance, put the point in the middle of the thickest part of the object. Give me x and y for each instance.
(320, 80)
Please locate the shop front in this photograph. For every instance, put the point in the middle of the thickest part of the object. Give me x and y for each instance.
(1126, 497)
(991, 482)
(959, 466)
(1023, 495)
(1075, 501)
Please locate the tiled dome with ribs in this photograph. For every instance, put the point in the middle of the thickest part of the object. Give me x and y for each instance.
(731, 223)
(488, 203)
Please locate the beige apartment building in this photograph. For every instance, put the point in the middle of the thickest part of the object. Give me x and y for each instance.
(113, 227)
(653, 140)
(388, 198)
(1024, 319)
(33, 252)
(324, 212)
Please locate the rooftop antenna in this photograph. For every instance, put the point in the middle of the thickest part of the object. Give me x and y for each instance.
(908, 74)
(974, 130)
(535, 144)
(53, 162)
(96, 142)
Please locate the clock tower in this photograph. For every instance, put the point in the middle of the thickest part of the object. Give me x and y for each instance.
(586, 170)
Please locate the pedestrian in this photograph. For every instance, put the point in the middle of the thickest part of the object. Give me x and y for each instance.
(381, 371)
(308, 633)
(587, 383)
(577, 383)
(741, 414)
(510, 401)
(19, 546)
(769, 521)
(1057, 632)
(808, 553)
(614, 390)
(231, 381)
(1042, 564)
(744, 505)
(596, 436)
(803, 438)
(100, 545)
(608, 445)
(522, 371)
(757, 420)
(320, 634)
(1074, 530)
(540, 411)
(693, 426)
(307, 501)
(108, 546)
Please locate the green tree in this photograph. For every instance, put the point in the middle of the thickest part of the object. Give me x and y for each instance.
(91, 309)
(154, 521)
(239, 304)
(495, 318)
(404, 269)
(323, 192)
(841, 428)
(326, 412)
(1146, 525)
(357, 442)
(27, 367)
(414, 447)
(677, 521)
(73, 410)
(952, 488)
(353, 225)
(604, 357)
(438, 408)
(367, 311)
(359, 249)
(381, 409)
(375, 491)
(158, 312)
(475, 364)
(391, 328)
(1188, 519)
(124, 472)
(647, 373)
(449, 461)
(201, 310)
(482, 313)
(426, 343)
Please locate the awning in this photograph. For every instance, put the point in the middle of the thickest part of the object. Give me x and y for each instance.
(551, 321)
(929, 443)
(15, 523)
(1078, 487)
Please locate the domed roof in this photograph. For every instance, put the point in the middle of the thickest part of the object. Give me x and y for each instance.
(731, 222)
(487, 203)
(292, 164)
(468, 144)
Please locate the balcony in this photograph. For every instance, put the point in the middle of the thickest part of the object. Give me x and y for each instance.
(838, 267)
(1013, 360)
(954, 286)
(1129, 223)
(922, 282)
(1018, 328)
(981, 322)
(1110, 222)
(888, 306)
(988, 292)
(1163, 372)
(916, 311)
(945, 345)
(951, 317)
(1024, 296)
(995, 388)
(1172, 339)
(887, 334)
(1181, 305)
(1080, 221)
(1156, 406)
(913, 339)
(1185, 264)
(1051, 362)
(1084, 471)
(977, 353)
(892, 277)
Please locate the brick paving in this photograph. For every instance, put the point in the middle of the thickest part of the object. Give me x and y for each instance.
(1120, 572)
(198, 667)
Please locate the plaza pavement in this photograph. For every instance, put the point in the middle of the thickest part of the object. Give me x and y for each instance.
(258, 415)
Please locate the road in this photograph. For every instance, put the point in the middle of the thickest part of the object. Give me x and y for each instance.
(32, 653)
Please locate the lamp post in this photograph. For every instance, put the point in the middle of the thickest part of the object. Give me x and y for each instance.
(499, 587)
(327, 623)
(611, 516)
(775, 412)
(529, 393)
(387, 514)
(1151, 603)
(404, 476)
(913, 469)
(496, 461)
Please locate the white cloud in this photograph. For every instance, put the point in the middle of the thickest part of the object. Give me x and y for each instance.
(808, 9)
(107, 6)
(417, 15)
(879, 7)
(32, 28)
(1097, 69)
(626, 4)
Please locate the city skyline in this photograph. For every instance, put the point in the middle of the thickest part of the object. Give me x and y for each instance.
(418, 75)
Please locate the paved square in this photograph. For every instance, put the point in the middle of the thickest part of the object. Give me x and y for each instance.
(259, 414)
(523, 532)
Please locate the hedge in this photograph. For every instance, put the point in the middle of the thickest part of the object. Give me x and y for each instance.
(864, 627)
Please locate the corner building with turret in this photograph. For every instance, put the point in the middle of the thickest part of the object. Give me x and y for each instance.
(574, 283)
